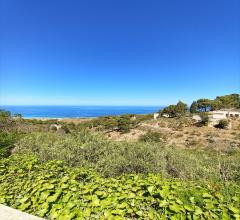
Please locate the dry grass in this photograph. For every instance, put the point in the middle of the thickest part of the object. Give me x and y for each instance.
(179, 132)
(186, 134)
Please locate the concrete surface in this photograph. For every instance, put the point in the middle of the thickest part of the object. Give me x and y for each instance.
(7, 213)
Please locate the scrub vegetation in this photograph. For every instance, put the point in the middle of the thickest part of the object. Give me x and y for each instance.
(64, 170)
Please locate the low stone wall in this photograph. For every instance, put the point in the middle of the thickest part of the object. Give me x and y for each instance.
(7, 213)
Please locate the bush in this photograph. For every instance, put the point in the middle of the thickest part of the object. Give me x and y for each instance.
(151, 136)
(122, 123)
(204, 119)
(91, 150)
(85, 149)
(53, 128)
(65, 128)
(223, 124)
(177, 110)
(6, 121)
(7, 141)
(54, 191)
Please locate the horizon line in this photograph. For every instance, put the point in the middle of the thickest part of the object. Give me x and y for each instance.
(107, 105)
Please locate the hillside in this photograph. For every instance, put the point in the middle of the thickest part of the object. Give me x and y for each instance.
(121, 167)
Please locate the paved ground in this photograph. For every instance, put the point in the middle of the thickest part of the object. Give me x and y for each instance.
(7, 213)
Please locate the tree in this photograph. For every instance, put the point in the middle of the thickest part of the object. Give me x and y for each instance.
(194, 107)
(110, 123)
(124, 124)
(180, 109)
(229, 101)
(170, 110)
(215, 105)
(175, 110)
(204, 104)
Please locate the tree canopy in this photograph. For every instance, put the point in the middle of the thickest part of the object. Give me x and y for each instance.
(175, 110)
(220, 102)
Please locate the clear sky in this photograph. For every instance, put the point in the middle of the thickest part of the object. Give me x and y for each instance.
(118, 52)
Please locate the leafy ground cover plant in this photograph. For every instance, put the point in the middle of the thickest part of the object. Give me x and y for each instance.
(54, 191)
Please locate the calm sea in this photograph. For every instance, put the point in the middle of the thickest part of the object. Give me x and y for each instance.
(78, 111)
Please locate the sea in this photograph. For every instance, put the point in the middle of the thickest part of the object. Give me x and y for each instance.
(78, 111)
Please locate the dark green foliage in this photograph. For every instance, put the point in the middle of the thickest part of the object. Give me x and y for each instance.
(170, 110)
(223, 124)
(4, 114)
(227, 101)
(194, 107)
(216, 104)
(177, 110)
(125, 123)
(181, 108)
(204, 105)
(53, 128)
(109, 123)
(7, 141)
(122, 123)
(66, 128)
(17, 115)
(6, 121)
(54, 191)
(151, 136)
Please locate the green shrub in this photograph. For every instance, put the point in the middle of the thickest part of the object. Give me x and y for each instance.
(122, 123)
(66, 128)
(86, 149)
(6, 121)
(204, 119)
(7, 141)
(223, 124)
(151, 136)
(53, 128)
(54, 191)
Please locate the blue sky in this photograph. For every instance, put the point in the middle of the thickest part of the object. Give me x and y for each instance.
(120, 52)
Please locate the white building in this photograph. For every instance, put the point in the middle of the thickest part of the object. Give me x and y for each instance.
(155, 116)
(196, 118)
(224, 114)
(216, 116)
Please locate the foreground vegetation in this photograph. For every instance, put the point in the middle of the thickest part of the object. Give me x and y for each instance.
(53, 190)
(75, 171)
(111, 158)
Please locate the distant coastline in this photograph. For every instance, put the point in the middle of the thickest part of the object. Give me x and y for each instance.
(77, 112)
